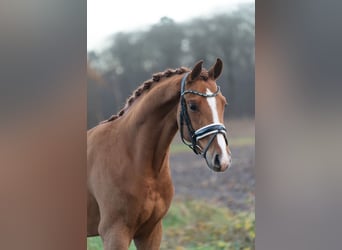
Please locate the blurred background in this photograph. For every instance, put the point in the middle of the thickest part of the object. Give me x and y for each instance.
(121, 61)
(130, 42)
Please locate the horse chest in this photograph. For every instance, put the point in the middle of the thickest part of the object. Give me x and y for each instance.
(155, 205)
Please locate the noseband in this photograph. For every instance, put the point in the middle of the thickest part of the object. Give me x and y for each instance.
(209, 130)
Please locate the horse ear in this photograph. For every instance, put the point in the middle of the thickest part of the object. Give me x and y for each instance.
(216, 70)
(196, 71)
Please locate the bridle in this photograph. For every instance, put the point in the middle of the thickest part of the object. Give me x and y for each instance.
(209, 130)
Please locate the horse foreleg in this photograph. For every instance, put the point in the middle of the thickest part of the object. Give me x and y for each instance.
(152, 241)
(115, 238)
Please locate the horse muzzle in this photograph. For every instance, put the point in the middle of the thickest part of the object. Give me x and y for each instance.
(216, 152)
(219, 160)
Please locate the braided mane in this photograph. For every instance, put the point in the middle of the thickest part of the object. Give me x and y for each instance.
(147, 85)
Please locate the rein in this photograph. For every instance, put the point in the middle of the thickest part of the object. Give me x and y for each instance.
(212, 129)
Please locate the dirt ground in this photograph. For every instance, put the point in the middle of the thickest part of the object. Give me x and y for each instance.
(235, 188)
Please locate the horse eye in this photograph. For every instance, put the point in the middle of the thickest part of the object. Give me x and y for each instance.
(193, 106)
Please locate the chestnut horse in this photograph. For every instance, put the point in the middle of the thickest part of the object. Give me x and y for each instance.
(129, 182)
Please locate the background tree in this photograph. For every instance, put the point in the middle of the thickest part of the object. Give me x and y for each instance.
(134, 56)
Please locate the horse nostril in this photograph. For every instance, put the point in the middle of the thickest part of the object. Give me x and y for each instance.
(217, 160)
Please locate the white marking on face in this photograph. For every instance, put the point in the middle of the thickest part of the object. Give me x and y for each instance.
(225, 158)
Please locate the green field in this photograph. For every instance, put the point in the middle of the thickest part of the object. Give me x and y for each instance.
(196, 225)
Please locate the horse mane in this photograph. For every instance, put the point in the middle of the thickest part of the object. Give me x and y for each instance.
(147, 85)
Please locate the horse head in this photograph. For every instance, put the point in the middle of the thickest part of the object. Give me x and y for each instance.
(201, 119)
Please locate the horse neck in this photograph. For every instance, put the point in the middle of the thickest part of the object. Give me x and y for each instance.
(153, 124)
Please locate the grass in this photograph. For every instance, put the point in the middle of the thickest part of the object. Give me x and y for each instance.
(197, 225)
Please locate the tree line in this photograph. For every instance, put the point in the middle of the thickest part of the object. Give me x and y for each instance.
(134, 56)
